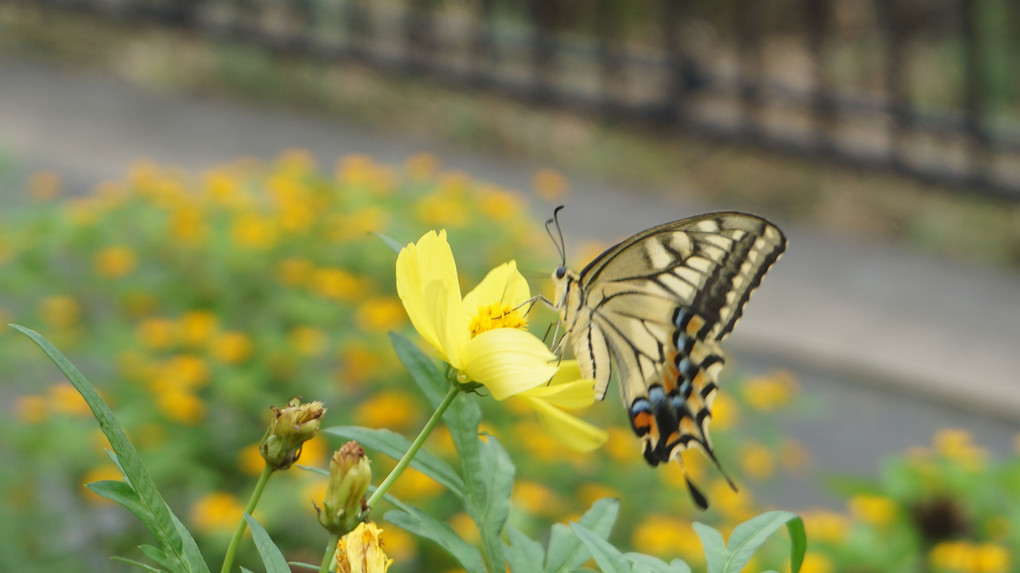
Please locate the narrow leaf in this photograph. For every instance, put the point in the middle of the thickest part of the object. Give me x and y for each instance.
(657, 565)
(490, 515)
(390, 242)
(180, 547)
(715, 547)
(300, 565)
(749, 536)
(272, 558)
(423, 371)
(566, 553)
(138, 564)
(608, 558)
(523, 554)
(394, 445)
(424, 525)
(156, 555)
(245, 569)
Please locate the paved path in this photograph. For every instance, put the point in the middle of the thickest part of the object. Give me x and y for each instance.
(929, 331)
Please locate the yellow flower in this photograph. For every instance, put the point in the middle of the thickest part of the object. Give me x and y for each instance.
(816, 563)
(360, 551)
(61, 311)
(232, 347)
(414, 484)
(757, 461)
(337, 284)
(181, 406)
(388, 409)
(952, 555)
(991, 558)
(218, 511)
(31, 408)
(44, 186)
(876, 510)
(956, 445)
(158, 333)
(421, 165)
(550, 184)
(591, 492)
(536, 499)
(767, 393)
(307, 340)
(65, 398)
(483, 337)
(101, 473)
(380, 314)
(294, 271)
(826, 526)
(198, 326)
(115, 261)
(465, 527)
(253, 231)
(666, 536)
(250, 460)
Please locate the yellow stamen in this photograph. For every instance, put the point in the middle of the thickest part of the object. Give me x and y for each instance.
(496, 315)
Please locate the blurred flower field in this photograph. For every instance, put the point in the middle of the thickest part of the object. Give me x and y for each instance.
(195, 301)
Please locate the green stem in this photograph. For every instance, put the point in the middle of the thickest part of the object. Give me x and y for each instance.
(328, 556)
(415, 446)
(235, 541)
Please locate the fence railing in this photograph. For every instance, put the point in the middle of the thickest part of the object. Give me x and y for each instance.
(930, 89)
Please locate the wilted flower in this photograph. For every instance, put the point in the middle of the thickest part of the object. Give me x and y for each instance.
(349, 477)
(360, 551)
(291, 427)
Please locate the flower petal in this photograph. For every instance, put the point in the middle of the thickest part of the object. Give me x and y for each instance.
(572, 395)
(570, 430)
(503, 284)
(507, 361)
(419, 267)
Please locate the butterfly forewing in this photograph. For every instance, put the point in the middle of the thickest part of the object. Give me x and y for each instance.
(654, 306)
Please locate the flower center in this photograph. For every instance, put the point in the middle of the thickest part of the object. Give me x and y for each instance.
(496, 315)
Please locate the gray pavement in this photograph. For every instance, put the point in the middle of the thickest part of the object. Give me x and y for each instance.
(898, 326)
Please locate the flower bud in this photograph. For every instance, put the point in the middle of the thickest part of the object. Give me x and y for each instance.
(291, 427)
(360, 551)
(349, 477)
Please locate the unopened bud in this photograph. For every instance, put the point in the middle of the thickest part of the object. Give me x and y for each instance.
(349, 477)
(291, 427)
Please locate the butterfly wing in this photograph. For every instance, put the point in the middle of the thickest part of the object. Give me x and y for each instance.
(655, 306)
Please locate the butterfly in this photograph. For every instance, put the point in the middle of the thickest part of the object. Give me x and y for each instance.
(653, 308)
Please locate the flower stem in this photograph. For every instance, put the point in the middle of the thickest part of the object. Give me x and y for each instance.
(235, 541)
(328, 556)
(415, 446)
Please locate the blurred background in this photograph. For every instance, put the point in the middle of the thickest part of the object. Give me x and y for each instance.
(186, 188)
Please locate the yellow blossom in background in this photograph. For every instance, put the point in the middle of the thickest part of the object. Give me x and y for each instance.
(115, 261)
(158, 333)
(957, 445)
(198, 327)
(413, 484)
(667, 537)
(250, 461)
(31, 408)
(294, 271)
(231, 347)
(315, 452)
(217, 511)
(380, 314)
(187, 371)
(952, 556)
(767, 393)
(181, 406)
(421, 165)
(307, 341)
(60, 311)
(442, 211)
(222, 186)
(825, 526)
(389, 409)
(358, 363)
(139, 304)
(540, 446)
(64, 398)
(724, 412)
(621, 445)
(816, 563)
(187, 223)
(44, 185)
(151, 434)
(338, 284)
(253, 231)
(736, 506)
(550, 184)
(355, 170)
(873, 509)
(536, 498)
(442, 441)
(756, 460)
(361, 551)
(465, 527)
(499, 204)
(295, 162)
(991, 558)
(589, 493)
(297, 215)
(400, 545)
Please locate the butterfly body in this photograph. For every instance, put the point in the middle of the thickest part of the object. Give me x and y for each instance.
(654, 308)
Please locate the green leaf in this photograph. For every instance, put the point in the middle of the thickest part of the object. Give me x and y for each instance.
(138, 564)
(749, 536)
(715, 547)
(491, 510)
(245, 569)
(121, 493)
(300, 565)
(566, 553)
(423, 371)
(272, 558)
(181, 549)
(157, 555)
(394, 445)
(424, 525)
(657, 565)
(608, 558)
(523, 554)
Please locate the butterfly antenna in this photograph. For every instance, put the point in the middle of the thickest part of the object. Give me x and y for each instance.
(557, 239)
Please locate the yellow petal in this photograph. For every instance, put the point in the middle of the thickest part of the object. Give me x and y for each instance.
(503, 284)
(428, 267)
(570, 430)
(451, 324)
(570, 395)
(507, 361)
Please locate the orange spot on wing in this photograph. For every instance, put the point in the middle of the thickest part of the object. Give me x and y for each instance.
(695, 324)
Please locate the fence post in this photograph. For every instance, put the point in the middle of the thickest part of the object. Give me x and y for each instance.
(897, 82)
(974, 95)
(543, 14)
(822, 103)
(749, 56)
(418, 35)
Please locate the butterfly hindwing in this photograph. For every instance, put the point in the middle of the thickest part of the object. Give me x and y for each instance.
(654, 307)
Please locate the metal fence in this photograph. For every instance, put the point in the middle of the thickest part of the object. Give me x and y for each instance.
(929, 88)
